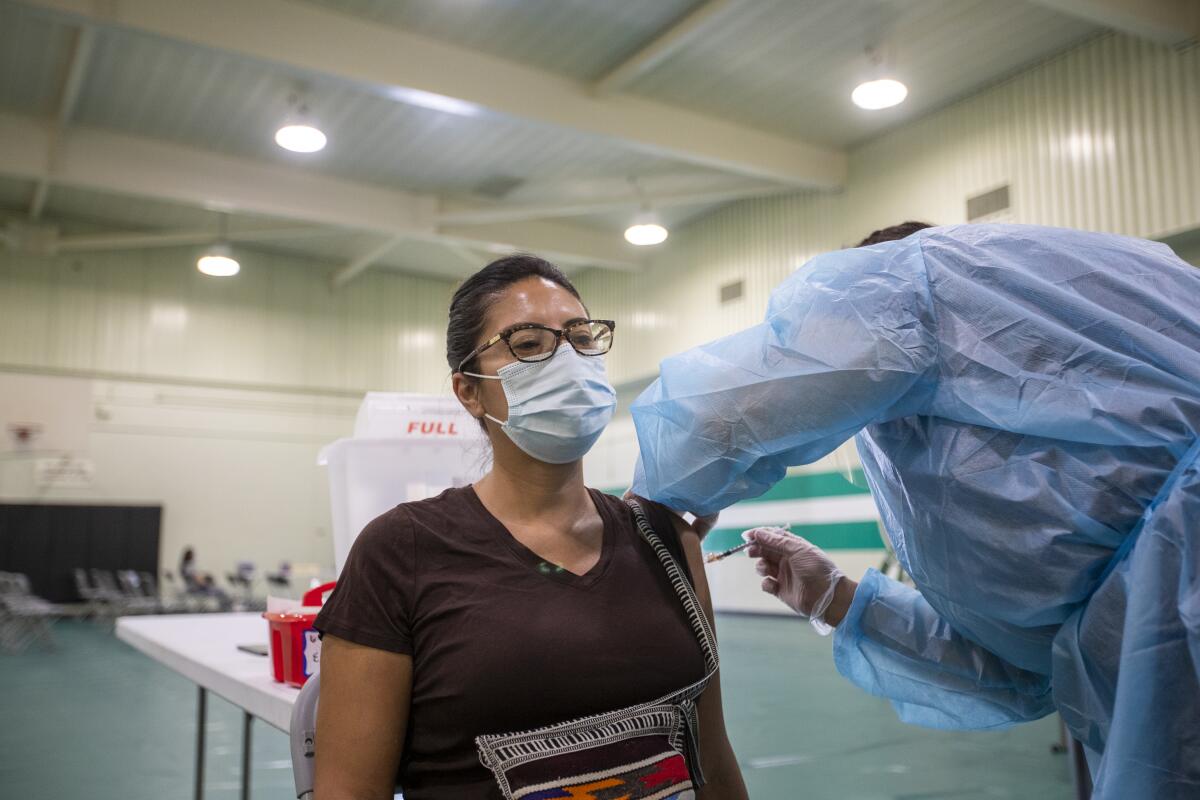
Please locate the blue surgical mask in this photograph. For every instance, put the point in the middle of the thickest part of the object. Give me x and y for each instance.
(557, 408)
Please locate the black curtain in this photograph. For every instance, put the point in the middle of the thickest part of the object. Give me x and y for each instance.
(47, 542)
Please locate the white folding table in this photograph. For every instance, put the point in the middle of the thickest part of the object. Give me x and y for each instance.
(203, 649)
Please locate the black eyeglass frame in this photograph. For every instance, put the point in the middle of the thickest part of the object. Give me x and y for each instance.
(559, 333)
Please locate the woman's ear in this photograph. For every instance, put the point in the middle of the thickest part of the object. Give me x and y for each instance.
(466, 389)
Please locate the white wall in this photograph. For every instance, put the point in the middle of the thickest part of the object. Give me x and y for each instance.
(1103, 137)
(220, 392)
(674, 303)
(211, 397)
(234, 470)
(54, 412)
(150, 314)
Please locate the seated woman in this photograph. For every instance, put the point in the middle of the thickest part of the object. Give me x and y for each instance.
(523, 601)
(196, 582)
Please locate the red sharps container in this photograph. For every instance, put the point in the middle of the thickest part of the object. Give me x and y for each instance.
(295, 644)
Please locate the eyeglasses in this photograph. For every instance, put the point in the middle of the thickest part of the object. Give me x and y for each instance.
(531, 342)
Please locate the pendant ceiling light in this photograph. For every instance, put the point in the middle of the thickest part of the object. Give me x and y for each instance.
(877, 94)
(218, 260)
(298, 133)
(646, 229)
(300, 138)
(881, 90)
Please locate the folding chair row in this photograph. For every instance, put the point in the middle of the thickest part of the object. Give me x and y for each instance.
(24, 617)
(121, 593)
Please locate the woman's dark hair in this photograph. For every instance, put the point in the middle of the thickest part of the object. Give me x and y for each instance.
(901, 231)
(468, 307)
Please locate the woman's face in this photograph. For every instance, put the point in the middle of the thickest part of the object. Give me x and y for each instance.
(529, 300)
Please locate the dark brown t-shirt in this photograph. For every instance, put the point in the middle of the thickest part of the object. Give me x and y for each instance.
(501, 641)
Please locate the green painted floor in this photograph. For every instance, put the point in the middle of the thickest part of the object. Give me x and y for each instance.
(96, 720)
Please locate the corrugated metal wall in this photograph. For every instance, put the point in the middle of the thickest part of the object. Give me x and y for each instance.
(150, 314)
(675, 302)
(1103, 137)
(1106, 136)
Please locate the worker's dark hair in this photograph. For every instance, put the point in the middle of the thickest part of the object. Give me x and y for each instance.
(468, 307)
(901, 231)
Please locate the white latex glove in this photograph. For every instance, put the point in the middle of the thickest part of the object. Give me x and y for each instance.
(796, 571)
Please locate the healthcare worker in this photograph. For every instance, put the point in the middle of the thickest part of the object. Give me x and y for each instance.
(1026, 404)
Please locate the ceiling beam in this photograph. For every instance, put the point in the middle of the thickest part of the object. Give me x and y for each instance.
(102, 160)
(555, 241)
(662, 46)
(117, 163)
(413, 68)
(511, 212)
(68, 98)
(139, 240)
(363, 262)
(469, 257)
(1171, 22)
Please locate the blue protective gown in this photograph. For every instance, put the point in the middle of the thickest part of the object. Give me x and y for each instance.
(1027, 403)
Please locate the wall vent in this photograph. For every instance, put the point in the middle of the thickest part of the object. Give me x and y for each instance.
(987, 204)
(732, 291)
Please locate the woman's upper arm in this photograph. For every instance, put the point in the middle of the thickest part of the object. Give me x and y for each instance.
(717, 757)
(361, 720)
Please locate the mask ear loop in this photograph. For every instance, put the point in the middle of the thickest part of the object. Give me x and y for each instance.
(500, 378)
(489, 378)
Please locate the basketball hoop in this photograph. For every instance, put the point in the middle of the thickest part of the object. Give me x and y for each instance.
(23, 434)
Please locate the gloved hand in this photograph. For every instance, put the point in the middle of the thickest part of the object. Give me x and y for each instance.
(796, 571)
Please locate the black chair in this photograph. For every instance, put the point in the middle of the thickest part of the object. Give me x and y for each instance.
(136, 596)
(136, 600)
(98, 603)
(150, 588)
(24, 617)
(180, 599)
(107, 588)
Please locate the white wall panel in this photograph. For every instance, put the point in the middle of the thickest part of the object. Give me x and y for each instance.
(1103, 137)
(150, 314)
(182, 411)
(675, 303)
(235, 471)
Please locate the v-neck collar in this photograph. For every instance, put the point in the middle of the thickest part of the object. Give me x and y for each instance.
(540, 565)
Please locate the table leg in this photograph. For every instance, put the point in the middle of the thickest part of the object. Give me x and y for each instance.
(247, 720)
(201, 723)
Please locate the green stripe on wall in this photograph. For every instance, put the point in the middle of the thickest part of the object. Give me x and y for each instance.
(858, 535)
(827, 536)
(815, 484)
(799, 487)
